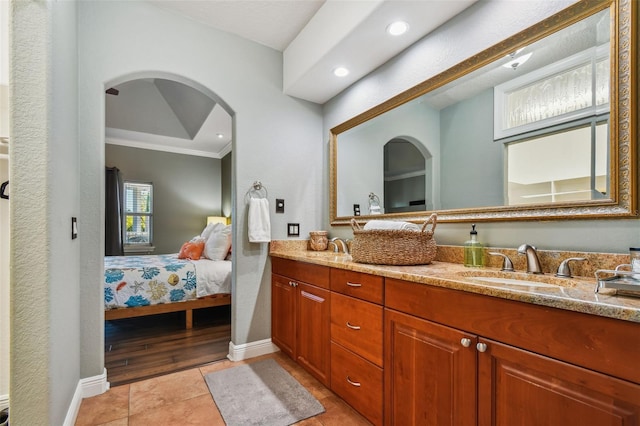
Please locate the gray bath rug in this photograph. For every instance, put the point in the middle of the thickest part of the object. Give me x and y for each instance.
(261, 393)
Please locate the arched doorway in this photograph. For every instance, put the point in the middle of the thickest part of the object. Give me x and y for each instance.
(174, 137)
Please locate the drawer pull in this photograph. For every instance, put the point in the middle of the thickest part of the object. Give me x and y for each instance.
(353, 327)
(351, 382)
(354, 284)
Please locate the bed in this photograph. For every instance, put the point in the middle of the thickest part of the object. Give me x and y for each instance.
(153, 284)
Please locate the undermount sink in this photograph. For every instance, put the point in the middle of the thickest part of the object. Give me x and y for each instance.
(512, 281)
(520, 279)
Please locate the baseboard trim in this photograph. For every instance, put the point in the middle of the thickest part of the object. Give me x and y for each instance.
(96, 385)
(86, 388)
(251, 349)
(4, 401)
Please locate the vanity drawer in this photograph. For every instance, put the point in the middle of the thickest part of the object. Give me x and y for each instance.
(299, 271)
(357, 325)
(358, 382)
(356, 284)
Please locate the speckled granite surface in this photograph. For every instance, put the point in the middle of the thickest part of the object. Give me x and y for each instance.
(575, 294)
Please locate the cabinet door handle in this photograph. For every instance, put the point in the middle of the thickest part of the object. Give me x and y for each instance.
(293, 284)
(350, 284)
(351, 382)
(466, 342)
(353, 327)
(481, 347)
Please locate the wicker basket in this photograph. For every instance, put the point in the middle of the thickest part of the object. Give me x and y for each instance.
(394, 247)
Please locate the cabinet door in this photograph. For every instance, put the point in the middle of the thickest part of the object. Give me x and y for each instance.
(430, 376)
(517, 387)
(283, 314)
(313, 347)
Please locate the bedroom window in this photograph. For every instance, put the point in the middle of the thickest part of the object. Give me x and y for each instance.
(138, 208)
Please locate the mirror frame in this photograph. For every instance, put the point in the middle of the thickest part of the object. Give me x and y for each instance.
(623, 113)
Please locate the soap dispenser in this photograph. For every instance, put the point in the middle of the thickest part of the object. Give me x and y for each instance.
(473, 250)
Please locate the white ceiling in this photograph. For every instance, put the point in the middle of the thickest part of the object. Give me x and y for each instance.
(315, 36)
(271, 23)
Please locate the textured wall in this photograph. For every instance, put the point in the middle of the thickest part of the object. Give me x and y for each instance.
(45, 323)
(4, 288)
(30, 230)
(4, 206)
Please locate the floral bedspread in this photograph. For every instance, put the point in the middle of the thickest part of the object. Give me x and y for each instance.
(131, 281)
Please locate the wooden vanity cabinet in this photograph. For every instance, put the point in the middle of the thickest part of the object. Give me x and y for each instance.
(356, 341)
(514, 363)
(300, 314)
(430, 379)
(520, 387)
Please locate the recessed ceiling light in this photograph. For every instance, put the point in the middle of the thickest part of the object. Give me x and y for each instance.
(397, 28)
(219, 135)
(516, 62)
(340, 72)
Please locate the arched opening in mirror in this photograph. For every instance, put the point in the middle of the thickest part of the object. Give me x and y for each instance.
(408, 172)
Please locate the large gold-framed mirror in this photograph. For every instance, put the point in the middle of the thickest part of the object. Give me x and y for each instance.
(539, 126)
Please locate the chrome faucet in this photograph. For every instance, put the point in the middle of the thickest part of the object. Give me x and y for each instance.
(339, 245)
(533, 263)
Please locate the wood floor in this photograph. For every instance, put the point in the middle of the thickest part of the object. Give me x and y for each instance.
(145, 347)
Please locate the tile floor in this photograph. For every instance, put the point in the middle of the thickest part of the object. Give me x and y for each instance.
(183, 398)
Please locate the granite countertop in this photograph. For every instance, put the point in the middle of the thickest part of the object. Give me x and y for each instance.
(574, 294)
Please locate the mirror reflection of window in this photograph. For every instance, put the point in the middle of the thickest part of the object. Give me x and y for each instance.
(562, 166)
(407, 177)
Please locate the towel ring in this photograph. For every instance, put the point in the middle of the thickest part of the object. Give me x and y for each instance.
(257, 190)
(2, 189)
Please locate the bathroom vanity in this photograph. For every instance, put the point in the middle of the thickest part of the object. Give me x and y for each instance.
(442, 344)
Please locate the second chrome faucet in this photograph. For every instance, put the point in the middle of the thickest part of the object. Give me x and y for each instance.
(339, 245)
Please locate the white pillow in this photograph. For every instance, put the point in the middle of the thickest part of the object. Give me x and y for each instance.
(218, 244)
(206, 232)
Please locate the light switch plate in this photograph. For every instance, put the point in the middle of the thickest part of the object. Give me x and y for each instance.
(279, 205)
(293, 229)
(74, 228)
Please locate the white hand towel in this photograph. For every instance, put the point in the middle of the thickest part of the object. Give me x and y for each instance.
(391, 224)
(259, 221)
